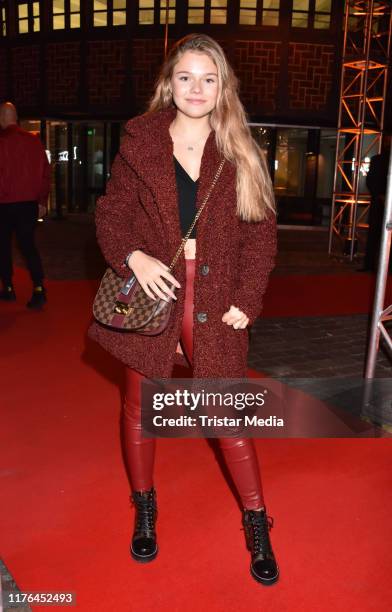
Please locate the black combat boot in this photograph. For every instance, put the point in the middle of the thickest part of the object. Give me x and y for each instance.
(8, 294)
(38, 298)
(263, 566)
(144, 546)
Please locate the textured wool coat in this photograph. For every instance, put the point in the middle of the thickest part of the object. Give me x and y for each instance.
(233, 257)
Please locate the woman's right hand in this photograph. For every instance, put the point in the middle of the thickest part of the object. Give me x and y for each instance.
(149, 272)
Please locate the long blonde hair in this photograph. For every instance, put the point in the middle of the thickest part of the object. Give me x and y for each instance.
(234, 140)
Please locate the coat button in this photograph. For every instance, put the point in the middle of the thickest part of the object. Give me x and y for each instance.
(204, 269)
(202, 317)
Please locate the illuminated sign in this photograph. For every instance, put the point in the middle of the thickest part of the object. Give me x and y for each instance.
(63, 156)
(364, 169)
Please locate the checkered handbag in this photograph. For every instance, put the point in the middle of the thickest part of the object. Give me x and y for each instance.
(123, 305)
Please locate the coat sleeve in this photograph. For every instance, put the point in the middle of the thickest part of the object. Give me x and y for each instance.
(116, 217)
(257, 259)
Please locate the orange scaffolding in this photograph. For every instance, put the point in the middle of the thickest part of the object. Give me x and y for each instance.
(363, 88)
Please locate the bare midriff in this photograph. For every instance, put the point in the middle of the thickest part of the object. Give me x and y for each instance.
(190, 248)
(189, 253)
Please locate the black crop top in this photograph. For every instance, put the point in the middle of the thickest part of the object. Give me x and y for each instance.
(187, 192)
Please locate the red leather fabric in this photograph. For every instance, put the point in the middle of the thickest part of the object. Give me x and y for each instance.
(139, 453)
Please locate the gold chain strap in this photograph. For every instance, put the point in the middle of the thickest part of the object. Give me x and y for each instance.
(183, 241)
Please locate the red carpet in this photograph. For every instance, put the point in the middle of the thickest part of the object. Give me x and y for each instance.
(65, 521)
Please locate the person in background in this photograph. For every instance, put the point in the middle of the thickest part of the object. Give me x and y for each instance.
(24, 189)
(376, 181)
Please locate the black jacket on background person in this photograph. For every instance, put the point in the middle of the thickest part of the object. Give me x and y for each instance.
(376, 182)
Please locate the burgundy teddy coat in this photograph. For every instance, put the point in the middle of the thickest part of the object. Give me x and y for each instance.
(233, 258)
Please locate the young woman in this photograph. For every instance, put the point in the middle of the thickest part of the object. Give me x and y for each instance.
(165, 167)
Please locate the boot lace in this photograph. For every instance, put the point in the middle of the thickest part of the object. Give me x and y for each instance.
(257, 529)
(145, 513)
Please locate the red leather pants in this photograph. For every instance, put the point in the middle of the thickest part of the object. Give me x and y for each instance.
(239, 453)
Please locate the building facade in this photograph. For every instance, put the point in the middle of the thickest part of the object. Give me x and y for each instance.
(78, 69)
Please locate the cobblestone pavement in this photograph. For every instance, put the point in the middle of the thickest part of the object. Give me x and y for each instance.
(8, 585)
(315, 347)
(325, 357)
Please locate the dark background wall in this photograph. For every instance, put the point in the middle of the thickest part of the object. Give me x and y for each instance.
(287, 75)
(102, 77)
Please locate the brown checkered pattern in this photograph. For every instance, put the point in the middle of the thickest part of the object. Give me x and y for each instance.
(148, 317)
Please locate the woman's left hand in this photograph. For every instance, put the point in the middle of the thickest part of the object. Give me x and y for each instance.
(236, 318)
